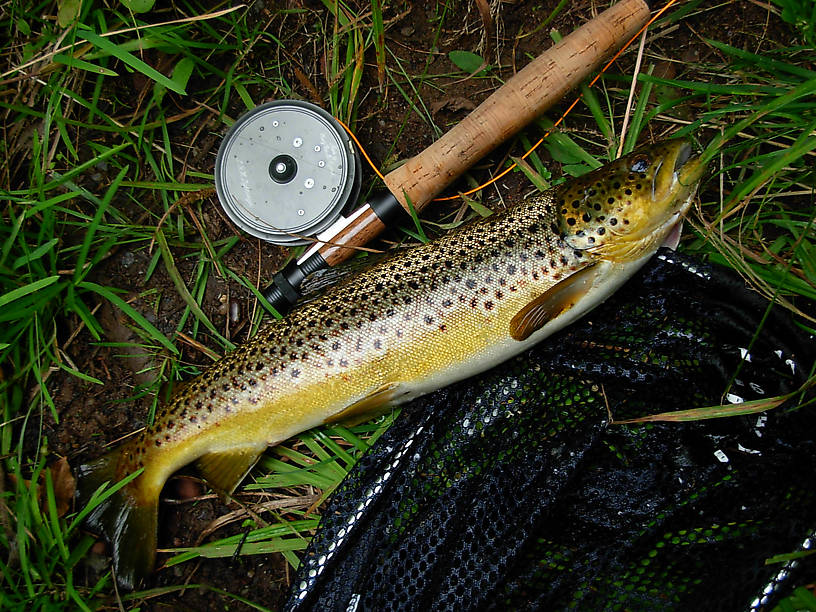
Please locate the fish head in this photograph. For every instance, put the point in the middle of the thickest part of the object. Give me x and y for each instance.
(630, 207)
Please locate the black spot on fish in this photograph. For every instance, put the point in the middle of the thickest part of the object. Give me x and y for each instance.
(586, 217)
(570, 220)
(601, 231)
(489, 305)
(470, 283)
(295, 373)
(611, 200)
(343, 363)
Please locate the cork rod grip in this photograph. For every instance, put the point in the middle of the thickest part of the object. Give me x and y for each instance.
(525, 96)
(539, 85)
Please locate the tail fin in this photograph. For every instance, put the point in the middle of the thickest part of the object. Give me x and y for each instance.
(127, 518)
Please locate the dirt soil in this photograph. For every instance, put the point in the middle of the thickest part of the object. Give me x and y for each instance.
(93, 415)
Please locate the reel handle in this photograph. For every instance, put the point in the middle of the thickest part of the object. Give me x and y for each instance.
(525, 96)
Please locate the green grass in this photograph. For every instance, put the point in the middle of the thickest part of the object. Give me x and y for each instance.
(99, 158)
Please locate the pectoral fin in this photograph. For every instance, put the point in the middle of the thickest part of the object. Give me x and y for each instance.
(368, 407)
(225, 469)
(557, 299)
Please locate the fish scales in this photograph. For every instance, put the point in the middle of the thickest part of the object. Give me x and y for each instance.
(429, 309)
(418, 320)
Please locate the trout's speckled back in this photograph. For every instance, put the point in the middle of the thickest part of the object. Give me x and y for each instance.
(421, 319)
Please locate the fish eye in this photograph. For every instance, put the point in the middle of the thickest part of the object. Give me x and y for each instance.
(640, 164)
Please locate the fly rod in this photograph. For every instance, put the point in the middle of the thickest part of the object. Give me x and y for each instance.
(294, 153)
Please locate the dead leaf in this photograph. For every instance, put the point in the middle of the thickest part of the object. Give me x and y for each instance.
(453, 104)
(63, 482)
(64, 485)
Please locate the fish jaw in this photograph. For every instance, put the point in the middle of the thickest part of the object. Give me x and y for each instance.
(629, 208)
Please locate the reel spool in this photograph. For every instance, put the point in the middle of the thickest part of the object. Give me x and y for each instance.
(285, 171)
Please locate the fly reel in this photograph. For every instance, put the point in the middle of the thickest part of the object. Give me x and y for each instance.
(285, 171)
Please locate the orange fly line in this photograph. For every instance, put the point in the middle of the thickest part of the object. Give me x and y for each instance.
(546, 134)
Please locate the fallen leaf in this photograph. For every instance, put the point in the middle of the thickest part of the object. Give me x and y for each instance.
(64, 485)
(453, 104)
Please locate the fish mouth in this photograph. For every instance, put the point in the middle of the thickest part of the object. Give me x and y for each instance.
(672, 239)
(680, 177)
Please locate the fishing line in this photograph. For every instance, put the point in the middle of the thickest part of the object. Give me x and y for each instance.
(540, 140)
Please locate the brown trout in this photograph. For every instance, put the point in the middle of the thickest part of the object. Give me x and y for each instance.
(417, 321)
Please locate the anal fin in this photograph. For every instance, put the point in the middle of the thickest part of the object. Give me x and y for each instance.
(223, 470)
(367, 407)
(557, 299)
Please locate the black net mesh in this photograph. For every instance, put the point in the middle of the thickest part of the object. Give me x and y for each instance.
(513, 490)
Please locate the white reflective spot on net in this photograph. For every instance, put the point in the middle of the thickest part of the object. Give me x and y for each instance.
(745, 354)
(750, 451)
(761, 420)
(734, 399)
(312, 573)
(756, 388)
(778, 353)
(791, 364)
(721, 456)
(353, 603)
